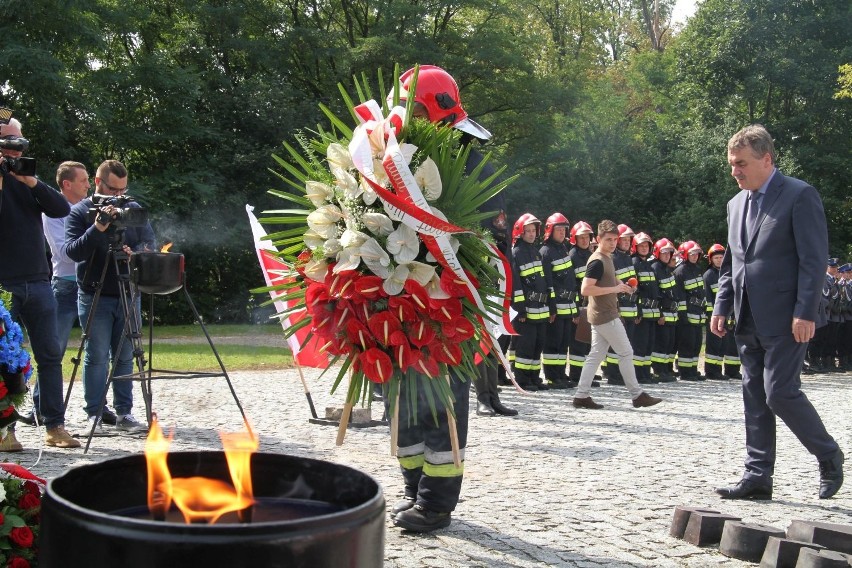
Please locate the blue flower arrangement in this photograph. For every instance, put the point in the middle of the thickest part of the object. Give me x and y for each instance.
(15, 366)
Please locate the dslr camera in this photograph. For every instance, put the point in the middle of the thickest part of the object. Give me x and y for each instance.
(21, 166)
(122, 215)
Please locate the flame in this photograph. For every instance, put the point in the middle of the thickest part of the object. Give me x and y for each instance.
(159, 477)
(166, 247)
(200, 499)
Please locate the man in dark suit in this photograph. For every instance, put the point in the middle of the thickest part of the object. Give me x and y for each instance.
(771, 280)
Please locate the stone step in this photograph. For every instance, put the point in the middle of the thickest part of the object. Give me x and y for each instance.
(784, 553)
(706, 528)
(833, 536)
(746, 541)
(809, 558)
(681, 518)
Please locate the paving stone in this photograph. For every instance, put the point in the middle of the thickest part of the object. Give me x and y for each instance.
(597, 489)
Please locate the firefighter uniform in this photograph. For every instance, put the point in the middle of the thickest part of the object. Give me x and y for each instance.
(689, 283)
(648, 301)
(577, 350)
(627, 307)
(721, 359)
(530, 299)
(844, 334)
(559, 270)
(663, 355)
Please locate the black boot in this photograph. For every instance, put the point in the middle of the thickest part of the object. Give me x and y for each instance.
(496, 405)
(483, 394)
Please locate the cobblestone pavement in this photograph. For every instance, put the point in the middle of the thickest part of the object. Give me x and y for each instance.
(555, 486)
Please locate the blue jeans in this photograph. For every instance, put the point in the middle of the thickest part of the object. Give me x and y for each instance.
(65, 292)
(105, 334)
(34, 306)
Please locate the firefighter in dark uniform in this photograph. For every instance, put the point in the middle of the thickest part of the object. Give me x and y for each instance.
(691, 310)
(627, 308)
(835, 321)
(662, 357)
(559, 269)
(530, 299)
(580, 239)
(648, 300)
(714, 348)
(818, 346)
(844, 344)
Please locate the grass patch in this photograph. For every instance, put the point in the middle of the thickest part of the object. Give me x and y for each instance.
(240, 354)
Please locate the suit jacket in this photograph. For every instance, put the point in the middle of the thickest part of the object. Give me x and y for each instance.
(782, 267)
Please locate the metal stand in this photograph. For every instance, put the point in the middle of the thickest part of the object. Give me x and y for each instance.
(145, 373)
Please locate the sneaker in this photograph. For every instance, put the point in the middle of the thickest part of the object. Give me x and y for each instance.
(127, 423)
(59, 437)
(10, 444)
(108, 417)
(98, 432)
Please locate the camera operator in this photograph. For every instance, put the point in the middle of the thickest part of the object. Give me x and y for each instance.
(25, 273)
(93, 244)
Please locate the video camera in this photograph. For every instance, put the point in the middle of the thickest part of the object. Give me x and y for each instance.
(21, 166)
(122, 215)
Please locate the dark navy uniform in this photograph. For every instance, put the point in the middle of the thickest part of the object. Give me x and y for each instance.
(559, 269)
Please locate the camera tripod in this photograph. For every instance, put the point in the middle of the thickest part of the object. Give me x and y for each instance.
(130, 300)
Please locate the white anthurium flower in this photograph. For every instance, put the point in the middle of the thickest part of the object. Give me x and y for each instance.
(433, 288)
(348, 183)
(339, 157)
(403, 244)
(369, 196)
(332, 247)
(316, 269)
(376, 258)
(421, 272)
(395, 283)
(323, 221)
(312, 240)
(428, 178)
(318, 192)
(353, 239)
(378, 224)
(348, 259)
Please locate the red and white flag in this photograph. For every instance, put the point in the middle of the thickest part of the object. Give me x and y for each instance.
(274, 272)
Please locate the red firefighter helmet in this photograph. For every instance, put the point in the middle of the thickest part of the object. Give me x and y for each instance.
(714, 250)
(663, 245)
(555, 220)
(439, 93)
(642, 238)
(625, 231)
(580, 228)
(688, 247)
(523, 221)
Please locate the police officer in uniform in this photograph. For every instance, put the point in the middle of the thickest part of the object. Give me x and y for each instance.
(559, 269)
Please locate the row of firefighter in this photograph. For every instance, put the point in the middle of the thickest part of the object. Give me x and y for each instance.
(664, 317)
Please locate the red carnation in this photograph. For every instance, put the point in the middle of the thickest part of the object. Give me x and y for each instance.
(22, 536)
(377, 365)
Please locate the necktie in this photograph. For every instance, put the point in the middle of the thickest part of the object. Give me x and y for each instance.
(751, 216)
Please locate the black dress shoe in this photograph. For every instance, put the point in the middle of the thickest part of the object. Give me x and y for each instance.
(421, 519)
(747, 489)
(29, 419)
(500, 409)
(831, 476)
(484, 409)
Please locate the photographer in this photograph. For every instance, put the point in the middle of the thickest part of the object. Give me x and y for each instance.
(93, 244)
(25, 273)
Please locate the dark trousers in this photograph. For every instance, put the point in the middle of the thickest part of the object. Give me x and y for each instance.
(714, 352)
(643, 346)
(528, 345)
(664, 349)
(688, 348)
(554, 357)
(772, 387)
(423, 447)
